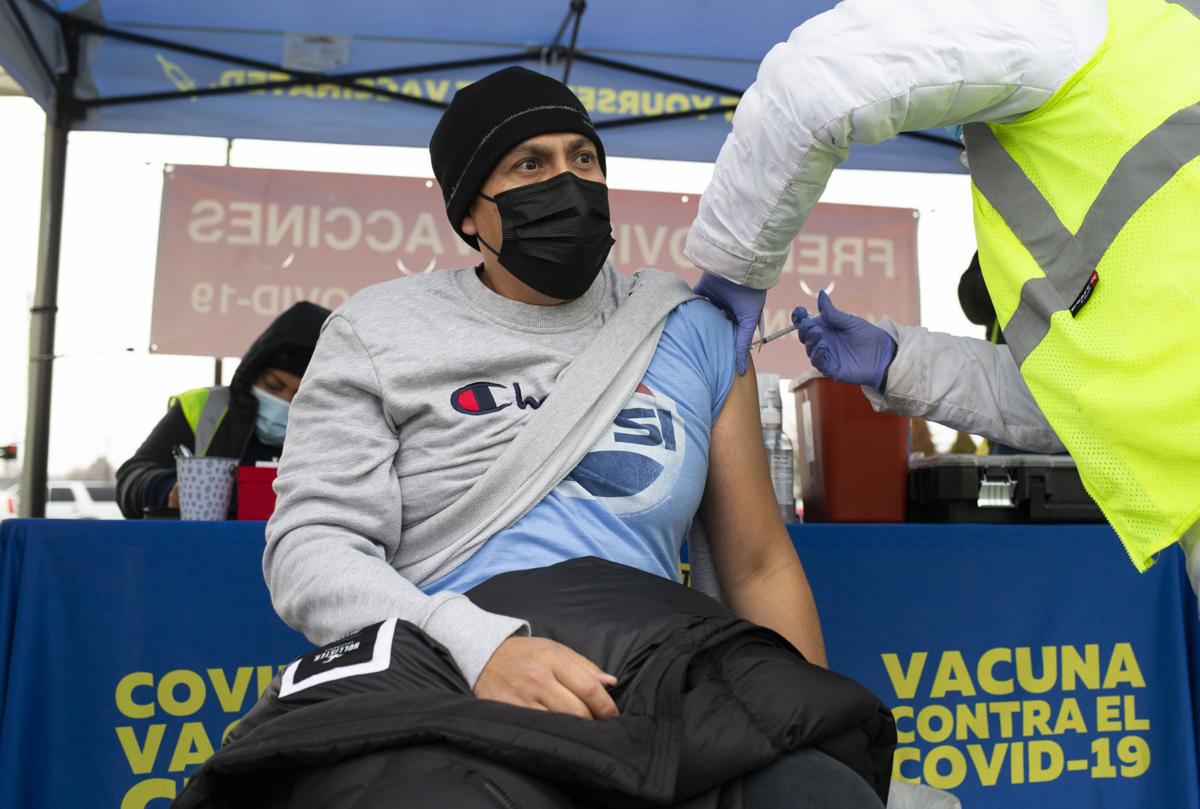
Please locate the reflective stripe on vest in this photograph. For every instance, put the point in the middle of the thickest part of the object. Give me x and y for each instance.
(210, 418)
(204, 409)
(1067, 260)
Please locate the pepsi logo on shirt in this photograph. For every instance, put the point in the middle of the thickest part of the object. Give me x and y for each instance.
(634, 466)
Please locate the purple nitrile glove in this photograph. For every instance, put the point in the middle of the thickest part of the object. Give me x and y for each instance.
(740, 304)
(843, 346)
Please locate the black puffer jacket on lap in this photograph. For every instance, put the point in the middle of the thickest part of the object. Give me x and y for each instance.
(375, 719)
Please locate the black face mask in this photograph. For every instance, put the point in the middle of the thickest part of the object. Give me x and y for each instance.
(556, 234)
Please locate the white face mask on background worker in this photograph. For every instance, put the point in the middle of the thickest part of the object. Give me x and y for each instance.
(274, 390)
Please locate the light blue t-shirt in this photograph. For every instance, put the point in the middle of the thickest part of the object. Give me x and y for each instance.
(632, 498)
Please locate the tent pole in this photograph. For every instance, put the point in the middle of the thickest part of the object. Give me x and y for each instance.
(577, 9)
(42, 318)
(45, 297)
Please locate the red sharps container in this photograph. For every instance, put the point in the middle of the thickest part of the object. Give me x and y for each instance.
(256, 494)
(853, 462)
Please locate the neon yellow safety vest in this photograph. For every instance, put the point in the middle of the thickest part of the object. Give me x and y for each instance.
(1087, 212)
(204, 409)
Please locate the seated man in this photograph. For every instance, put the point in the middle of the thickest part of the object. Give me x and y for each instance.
(418, 384)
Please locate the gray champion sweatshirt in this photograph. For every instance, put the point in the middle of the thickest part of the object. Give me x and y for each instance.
(415, 388)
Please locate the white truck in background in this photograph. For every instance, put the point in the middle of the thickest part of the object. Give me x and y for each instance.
(70, 499)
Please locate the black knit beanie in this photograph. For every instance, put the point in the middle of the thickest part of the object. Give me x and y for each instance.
(488, 118)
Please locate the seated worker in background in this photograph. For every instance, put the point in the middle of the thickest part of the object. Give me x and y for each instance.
(245, 419)
(418, 384)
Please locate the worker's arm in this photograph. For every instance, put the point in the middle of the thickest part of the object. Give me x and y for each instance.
(147, 478)
(862, 73)
(761, 576)
(968, 384)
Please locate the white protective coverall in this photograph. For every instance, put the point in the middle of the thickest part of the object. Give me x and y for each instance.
(862, 73)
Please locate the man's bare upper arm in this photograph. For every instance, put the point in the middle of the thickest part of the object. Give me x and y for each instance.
(739, 510)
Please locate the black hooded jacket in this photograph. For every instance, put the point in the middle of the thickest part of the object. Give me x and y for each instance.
(383, 718)
(146, 478)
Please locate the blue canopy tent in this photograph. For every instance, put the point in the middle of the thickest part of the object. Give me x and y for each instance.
(660, 78)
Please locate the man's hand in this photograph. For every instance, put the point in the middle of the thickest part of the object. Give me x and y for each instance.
(544, 675)
(742, 305)
(173, 497)
(843, 346)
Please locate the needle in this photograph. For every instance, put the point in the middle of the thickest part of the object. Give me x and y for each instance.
(760, 342)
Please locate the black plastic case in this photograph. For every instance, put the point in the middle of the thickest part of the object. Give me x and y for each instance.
(998, 489)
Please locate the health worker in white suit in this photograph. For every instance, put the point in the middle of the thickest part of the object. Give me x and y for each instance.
(1082, 131)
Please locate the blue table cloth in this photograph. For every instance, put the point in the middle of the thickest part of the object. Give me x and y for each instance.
(1027, 665)
(128, 649)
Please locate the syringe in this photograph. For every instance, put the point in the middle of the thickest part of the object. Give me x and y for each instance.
(760, 342)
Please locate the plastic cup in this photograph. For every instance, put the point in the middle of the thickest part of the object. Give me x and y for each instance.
(205, 487)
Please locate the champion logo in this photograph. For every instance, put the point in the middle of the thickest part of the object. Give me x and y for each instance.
(481, 398)
(330, 655)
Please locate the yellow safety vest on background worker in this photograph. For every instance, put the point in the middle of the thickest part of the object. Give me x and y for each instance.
(204, 409)
(1087, 212)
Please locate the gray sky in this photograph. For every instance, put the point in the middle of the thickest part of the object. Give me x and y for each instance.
(106, 399)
